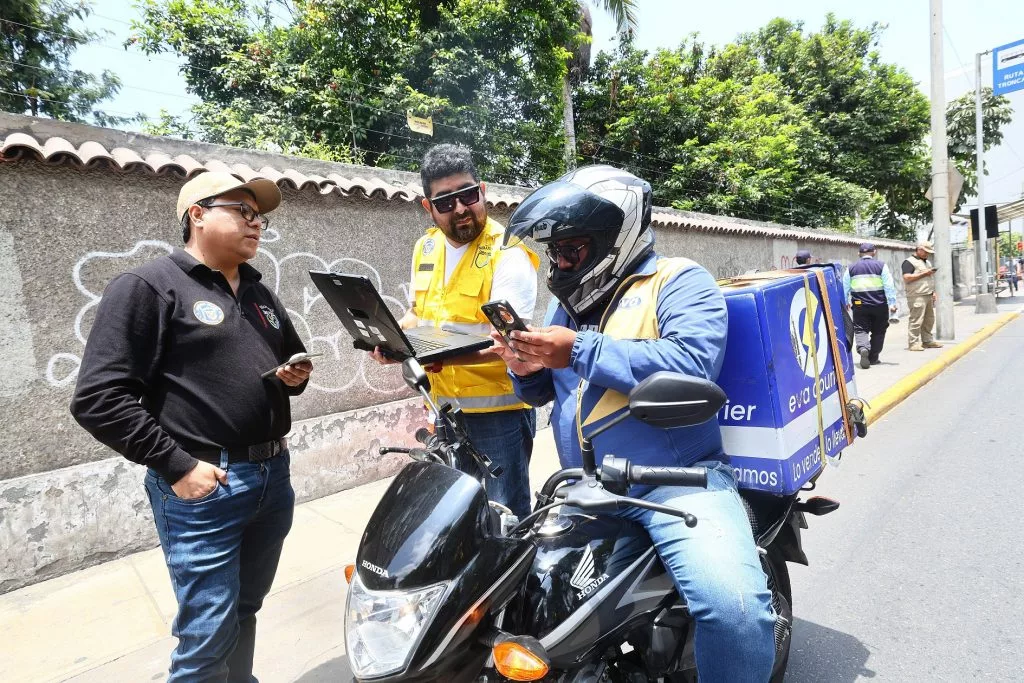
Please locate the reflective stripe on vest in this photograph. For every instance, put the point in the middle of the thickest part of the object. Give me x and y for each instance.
(455, 305)
(866, 285)
(481, 403)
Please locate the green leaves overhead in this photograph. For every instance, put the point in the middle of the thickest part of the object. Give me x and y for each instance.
(341, 74)
(37, 39)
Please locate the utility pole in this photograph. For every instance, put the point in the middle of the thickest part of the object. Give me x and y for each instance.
(984, 302)
(940, 183)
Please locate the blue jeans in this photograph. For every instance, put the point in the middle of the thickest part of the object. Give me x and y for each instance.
(506, 437)
(716, 567)
(222, 552)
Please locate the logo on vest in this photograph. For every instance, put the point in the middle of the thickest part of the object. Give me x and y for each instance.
(428, 246)
(807, 331)
(630, 302)
(208, 313)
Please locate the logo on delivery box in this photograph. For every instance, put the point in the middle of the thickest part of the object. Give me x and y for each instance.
(807, 331)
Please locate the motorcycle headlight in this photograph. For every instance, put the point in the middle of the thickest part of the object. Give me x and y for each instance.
(383, 627)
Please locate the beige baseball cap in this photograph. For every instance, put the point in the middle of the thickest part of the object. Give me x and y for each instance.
(927, 246)
(214, 183)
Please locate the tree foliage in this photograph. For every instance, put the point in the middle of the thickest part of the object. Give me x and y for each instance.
(961, 129)
(783, 124)
(37, 39)
(336, 77)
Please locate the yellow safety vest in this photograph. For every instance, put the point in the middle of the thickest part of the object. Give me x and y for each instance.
(633, 315)
(480, 388)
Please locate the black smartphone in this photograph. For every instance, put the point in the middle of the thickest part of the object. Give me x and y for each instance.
(503, 317)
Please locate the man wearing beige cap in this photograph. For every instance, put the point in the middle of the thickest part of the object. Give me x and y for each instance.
(181, 375)
(919, 276)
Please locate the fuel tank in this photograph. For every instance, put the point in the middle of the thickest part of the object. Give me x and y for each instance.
(591, 579)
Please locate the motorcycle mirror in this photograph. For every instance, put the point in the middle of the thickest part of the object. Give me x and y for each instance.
(671, 399)
(414, 375)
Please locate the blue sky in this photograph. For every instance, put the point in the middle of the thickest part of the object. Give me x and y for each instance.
(970, 27)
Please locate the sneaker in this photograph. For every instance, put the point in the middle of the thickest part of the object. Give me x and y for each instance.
(932, 345)
(865, 362)
(915, 348)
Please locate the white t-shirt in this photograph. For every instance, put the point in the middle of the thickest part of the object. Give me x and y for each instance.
(515, 279)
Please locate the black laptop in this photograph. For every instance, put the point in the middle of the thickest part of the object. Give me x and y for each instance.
(362, 311)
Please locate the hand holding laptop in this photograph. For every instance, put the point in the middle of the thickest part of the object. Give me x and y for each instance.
(378, 355)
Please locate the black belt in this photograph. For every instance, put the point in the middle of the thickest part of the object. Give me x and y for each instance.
(255, 453)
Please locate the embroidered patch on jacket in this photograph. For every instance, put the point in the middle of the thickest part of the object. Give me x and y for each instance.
(271, 316)
(208, 312)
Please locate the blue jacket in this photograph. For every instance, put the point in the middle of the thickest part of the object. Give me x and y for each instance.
(692, 323)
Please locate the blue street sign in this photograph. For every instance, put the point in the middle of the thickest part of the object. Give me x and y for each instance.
(1008, 68)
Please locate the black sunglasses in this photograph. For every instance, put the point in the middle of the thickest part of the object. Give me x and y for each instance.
(446, 202)
(566, 252)
(249, 214)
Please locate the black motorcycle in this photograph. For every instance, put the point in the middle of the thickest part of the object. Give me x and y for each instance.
(450, 587)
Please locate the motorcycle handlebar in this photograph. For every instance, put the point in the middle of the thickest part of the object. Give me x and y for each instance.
(423, 435)
(669, 476)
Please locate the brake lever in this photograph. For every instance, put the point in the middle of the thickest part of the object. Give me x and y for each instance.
(589, 494)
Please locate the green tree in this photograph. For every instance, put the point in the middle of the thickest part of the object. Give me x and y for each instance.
(337, 77)
(1008, 244)
(961, 132)
(872, 117)
(738, 146)
(623, 12)
(37, 39)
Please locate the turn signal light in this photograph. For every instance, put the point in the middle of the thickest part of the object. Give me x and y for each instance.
(350, 569)
(515, 662)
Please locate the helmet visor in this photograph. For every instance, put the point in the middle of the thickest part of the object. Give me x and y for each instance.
(558, 211)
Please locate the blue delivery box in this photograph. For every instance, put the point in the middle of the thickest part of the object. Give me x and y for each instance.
(785, 415)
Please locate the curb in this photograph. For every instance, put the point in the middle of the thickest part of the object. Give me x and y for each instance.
(895, 394)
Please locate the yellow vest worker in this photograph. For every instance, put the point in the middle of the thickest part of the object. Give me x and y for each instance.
(455, 305)
(457, 266)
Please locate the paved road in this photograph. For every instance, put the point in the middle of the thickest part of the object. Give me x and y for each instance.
(918, 576)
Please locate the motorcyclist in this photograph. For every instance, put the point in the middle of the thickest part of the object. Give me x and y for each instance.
(622, 314)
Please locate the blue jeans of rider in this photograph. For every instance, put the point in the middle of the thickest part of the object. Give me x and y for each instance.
(717, 569)
(506, 437)
(222, 552)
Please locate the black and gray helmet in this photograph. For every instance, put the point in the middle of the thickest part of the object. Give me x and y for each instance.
(610, 206)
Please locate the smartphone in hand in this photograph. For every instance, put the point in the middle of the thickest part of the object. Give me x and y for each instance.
(503, 317)
(296, 358)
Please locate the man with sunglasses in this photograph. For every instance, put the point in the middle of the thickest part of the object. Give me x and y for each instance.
(458, 265)
(622, 314)
(171, 378)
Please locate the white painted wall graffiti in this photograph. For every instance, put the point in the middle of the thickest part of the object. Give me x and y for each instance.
(341, 368)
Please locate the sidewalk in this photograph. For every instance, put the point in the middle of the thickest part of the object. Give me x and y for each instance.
(112, 622)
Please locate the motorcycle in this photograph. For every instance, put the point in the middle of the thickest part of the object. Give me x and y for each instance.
(448, 586)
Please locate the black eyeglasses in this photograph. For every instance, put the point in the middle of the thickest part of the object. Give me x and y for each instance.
(249, 214)
(446, 202)
(567, 252)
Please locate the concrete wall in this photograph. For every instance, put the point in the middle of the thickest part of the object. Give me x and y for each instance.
(68, 502)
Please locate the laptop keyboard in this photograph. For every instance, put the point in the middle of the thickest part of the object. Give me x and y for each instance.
(421, 346)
